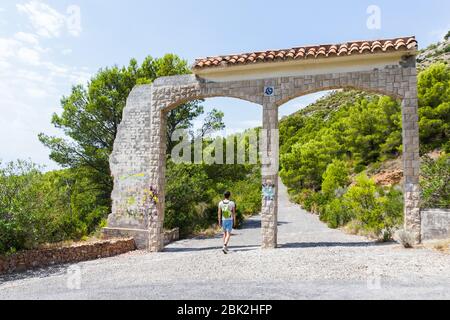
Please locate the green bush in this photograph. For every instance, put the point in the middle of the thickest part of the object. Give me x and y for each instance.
(188, 197)
(335, 177)
(247, 194)
(434, 108)
(311, 201)
(435, 182)
(374, 210)
(19, 211)
(37, 208)
(379, 211)
(336, 213)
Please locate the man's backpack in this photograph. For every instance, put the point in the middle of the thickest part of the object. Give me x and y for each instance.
(226, 210)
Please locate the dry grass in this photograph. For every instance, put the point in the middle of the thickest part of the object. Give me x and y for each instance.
(355, 228)
(211, 232)
(71, 243)
(439, 245)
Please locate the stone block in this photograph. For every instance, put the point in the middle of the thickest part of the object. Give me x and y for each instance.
(435, 224)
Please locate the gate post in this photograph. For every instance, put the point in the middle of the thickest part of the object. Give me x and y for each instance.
(411, 164)
(270, 167)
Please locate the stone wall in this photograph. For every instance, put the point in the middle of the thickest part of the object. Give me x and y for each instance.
(435, 224)
(47, 257)
(171, 236)
(141, 237)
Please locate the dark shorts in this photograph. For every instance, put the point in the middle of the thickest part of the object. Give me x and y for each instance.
(227, 225)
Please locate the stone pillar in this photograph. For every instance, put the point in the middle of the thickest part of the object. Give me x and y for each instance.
(411, 160)
(131, 167)
(158, 163)
(270, 167)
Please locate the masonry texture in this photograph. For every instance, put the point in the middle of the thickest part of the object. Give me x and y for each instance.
(435, 224)
(46, 257)
(138, 160)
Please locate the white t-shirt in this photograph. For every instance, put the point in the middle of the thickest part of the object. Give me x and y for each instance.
(227, 207)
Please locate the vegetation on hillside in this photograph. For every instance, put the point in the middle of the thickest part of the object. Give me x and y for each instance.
(327, 148)
(437, 52)
(435, 182)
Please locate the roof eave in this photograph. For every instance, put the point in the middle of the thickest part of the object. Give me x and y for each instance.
(297, 62)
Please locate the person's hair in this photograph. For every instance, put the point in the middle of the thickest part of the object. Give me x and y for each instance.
(227, 194)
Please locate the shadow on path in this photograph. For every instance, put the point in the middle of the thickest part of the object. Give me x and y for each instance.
(256, 224)
(233, 248)
(35, 273)
(328, 244)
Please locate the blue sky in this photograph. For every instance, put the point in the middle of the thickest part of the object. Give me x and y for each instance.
(44, 50)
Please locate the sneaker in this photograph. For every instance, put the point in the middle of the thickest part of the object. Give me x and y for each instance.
(225, 250)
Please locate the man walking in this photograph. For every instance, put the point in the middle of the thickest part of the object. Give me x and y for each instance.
(227, 219)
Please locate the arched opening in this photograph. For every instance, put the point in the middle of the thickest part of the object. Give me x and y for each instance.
(341, 158)
(198, 172)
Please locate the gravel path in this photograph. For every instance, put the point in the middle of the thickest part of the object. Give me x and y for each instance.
(313, 262)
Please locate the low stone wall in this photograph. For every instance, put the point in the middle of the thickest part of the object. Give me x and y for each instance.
(46, 257)
(435, 224)
(171, 236)
(140, 237)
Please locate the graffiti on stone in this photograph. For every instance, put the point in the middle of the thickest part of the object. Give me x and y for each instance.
(268, 191)
(131, 201)
(150, 196)
(132, 176)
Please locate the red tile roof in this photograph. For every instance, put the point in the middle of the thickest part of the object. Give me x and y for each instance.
(310, 52)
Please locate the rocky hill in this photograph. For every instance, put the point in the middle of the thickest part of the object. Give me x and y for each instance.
(439, 52)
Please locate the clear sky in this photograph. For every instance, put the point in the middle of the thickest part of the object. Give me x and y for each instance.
(45, 49)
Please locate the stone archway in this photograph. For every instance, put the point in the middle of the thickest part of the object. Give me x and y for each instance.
(268, 79)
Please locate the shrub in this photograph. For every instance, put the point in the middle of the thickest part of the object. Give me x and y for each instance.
(335, 177)
(336, 214)
(311, 201)
(406, 238)
(18, 206)
(187, 187)
(393, 204)
(379, 211)
(37, 208)
(434, 107)
(354, 227)
(304, 198)
(361, 199)
(435, 182)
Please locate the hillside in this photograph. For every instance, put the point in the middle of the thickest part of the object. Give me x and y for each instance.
(340, 157)
(439, 52)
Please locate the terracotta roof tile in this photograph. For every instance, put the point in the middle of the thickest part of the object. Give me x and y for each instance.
(310, 52)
